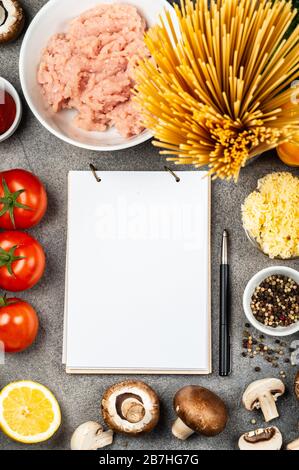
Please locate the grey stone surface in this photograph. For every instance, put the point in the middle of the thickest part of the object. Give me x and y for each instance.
(33, 148)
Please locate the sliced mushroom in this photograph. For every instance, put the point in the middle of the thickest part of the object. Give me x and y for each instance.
(199, 410)
(296, 385)
(293, 445)
(261, 439)
(12, 20)
(263, 394)
(91, 436)
(131, 407)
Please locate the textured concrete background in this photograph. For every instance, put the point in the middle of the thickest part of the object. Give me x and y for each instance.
(33, 148)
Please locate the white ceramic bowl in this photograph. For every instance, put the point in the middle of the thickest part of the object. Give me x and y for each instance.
(6, 86)
(252, 284)
(51, 19)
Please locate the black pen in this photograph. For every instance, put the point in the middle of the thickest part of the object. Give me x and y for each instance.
(224, 337)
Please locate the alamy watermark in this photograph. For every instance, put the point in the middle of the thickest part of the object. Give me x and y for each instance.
(2, 353)
(295, 94)
(2, 91)
(295, 352)
(141, 222)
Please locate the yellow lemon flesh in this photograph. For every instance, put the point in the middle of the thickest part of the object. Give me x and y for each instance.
(29, 412)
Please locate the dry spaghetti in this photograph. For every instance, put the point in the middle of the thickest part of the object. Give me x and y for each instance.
(216, 92)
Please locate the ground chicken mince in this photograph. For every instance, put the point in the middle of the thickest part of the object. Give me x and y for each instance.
(90, 68)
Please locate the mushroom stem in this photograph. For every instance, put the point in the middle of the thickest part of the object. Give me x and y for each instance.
(293, 445)
(103, 439)
(132, 410)
(180, 430)
(268, 406)
(91, 436)
(3, 14)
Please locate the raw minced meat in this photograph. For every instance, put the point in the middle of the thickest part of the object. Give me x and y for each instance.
(90, 68)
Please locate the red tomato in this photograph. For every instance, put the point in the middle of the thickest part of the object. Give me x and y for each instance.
(22, 261)
(18, 324)
(23, 200)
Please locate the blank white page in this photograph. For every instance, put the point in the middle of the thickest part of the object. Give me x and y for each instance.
(138, 272)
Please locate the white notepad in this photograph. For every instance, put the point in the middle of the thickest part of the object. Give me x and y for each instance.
(138, 273)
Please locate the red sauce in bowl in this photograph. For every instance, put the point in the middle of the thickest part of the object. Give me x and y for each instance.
(8, 111)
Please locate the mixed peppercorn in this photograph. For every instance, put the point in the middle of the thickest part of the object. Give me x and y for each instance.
(275, 302)
(277, 353)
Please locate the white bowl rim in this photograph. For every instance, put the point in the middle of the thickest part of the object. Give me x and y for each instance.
(16, 97)
(143, 137)
(252, 284)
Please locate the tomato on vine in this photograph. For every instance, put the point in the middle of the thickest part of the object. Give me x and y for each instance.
(22, 261)
(23, 200)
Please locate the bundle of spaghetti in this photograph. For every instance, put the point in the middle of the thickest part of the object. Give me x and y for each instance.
(217, 88)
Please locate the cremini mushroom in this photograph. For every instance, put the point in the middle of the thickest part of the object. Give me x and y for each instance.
(91, 436)
(293, 445)
(296, 385)
(262, 394)
(12, 20)
(199, 411)
(131, 407)
(261, 439)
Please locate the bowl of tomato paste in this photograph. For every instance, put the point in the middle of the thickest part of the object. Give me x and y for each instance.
(10, 109)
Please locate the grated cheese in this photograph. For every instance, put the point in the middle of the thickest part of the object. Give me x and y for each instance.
(271, 215)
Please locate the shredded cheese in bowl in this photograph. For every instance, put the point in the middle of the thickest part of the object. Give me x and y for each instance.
(271, 215)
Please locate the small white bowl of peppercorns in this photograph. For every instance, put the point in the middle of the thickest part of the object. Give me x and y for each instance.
(271, 301)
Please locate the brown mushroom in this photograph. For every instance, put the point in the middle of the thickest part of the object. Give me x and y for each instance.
(261, 439)
(293, 445)
(296, 385)
(131, 407)
(12, 20)
(199, 411)
(263, 394)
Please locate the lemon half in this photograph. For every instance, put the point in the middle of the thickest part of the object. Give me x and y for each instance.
(29, 412)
